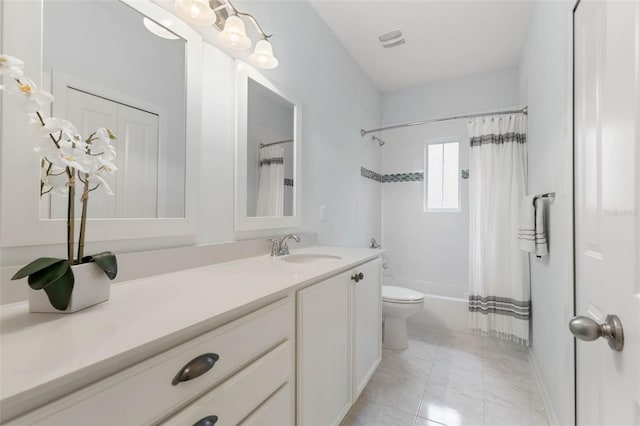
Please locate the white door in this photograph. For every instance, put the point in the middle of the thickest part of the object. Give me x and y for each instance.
(88, 112)
(135, 184)
(607, 207)
(137, 160)
(324, 352)
(367, 323)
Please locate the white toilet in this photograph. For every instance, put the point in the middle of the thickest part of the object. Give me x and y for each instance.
(398, 304)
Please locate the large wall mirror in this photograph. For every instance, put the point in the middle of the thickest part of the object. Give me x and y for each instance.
(140, 95)
(267, 154)
(135, 69)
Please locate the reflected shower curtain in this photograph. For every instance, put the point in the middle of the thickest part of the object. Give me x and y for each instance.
(271, 181)
(499, 288)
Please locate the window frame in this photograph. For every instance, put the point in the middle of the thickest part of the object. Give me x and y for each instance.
(425, 189)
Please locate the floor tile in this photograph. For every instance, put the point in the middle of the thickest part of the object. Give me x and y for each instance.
(420, 349)
(498, 415)
(405, 364)
(506, 366)
(457, 380)
(449, 378)
(368, 413)
(466, 342)
(451, 408)
(459, 359)
(512, 394)
(425, 422)
(425, 334)
(401, 393)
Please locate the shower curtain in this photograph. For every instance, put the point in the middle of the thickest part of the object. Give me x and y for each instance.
(271, 181)
(499, 288)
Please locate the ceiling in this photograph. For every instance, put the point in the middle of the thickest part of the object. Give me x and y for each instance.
(444, 38)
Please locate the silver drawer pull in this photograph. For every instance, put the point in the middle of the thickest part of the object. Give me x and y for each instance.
(196, 368)
(206, 421)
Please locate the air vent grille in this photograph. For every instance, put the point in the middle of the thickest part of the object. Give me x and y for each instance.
(391, 38)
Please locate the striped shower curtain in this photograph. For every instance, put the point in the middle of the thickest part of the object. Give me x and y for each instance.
(499, 288)
(270, 181)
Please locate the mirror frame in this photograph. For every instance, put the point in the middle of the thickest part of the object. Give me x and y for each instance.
(242, 222)
(21, 223)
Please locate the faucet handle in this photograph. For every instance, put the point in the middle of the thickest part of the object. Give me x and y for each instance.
(274, 246)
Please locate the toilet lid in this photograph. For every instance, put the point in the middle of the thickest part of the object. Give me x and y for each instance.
(401, 294)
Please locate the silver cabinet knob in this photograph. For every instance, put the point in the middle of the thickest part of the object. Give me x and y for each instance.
(585, 328)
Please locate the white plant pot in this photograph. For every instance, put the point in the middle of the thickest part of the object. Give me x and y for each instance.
(91, 286)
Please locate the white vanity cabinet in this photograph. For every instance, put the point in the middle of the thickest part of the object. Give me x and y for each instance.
(366, 304)
(237, 367)
(339, 343)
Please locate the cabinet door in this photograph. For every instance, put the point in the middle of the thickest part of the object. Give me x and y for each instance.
(367, 324)
(324, 352)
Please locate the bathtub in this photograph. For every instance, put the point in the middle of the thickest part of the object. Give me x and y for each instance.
(445, 305)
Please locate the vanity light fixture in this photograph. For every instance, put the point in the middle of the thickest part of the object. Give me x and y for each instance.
(225, 17)
(195, 12)
(234, 34)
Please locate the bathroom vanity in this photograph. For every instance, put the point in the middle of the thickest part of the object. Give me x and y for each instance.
(265, 340)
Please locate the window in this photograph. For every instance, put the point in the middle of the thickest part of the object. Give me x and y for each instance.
(442, 171)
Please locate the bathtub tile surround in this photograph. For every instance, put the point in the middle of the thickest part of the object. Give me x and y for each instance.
(460, 379)
(404, 177)
(395, 177)
(370, 174)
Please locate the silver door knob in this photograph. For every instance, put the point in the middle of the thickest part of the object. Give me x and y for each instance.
(585, 328)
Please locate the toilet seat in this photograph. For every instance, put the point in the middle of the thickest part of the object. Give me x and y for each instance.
(400, 295)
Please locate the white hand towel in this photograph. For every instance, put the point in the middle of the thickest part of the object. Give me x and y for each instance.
(533, 232)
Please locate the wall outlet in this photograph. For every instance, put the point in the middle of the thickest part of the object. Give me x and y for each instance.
(323, 213)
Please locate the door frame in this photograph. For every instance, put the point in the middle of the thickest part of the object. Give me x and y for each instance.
(576, 3)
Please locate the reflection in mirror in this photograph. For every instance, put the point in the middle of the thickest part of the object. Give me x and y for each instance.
(270, 152)
(121, 76)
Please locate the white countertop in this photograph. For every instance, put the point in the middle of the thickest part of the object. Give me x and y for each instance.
(43, 356)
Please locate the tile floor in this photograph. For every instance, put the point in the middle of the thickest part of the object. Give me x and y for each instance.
(450, 379)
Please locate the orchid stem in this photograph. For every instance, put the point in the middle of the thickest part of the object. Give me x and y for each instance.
(71, 215)
(83, 220)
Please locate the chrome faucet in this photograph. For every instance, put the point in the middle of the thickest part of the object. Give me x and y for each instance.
(279, 246)
(374, 244)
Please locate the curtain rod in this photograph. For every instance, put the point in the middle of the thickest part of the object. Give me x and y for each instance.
(262, 145)
(435, 120)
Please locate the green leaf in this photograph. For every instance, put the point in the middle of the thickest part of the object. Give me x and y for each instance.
(45, 277)
(59, 291)
(35, 266)
(105, 260)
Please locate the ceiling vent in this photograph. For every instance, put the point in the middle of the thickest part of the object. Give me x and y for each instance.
(392, 39)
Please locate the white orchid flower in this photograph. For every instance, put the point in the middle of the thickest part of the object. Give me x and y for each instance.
(54, 179)
(11, 66)
(100, 144)
(30, 98)
(101, 182)
(74, 154)
(58, 128)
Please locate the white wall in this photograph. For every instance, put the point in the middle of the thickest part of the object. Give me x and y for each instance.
(545, 85)
(430, 249)
(337, 99)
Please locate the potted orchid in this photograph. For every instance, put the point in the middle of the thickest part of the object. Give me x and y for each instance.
(68, 162)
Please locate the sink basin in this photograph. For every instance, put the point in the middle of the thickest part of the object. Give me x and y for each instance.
(310, 258)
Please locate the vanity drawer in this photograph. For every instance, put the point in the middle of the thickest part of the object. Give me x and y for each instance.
(235, 399)
(275, 411)
(144, 393)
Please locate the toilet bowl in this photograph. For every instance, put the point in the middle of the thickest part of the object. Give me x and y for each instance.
(398, 304)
